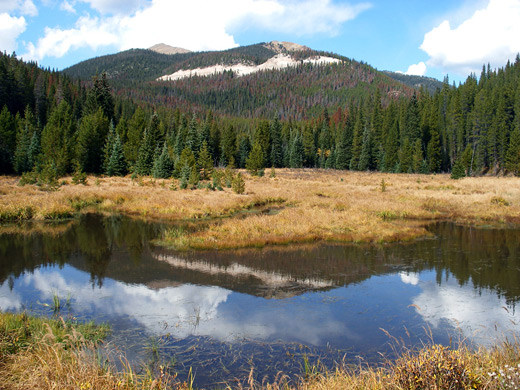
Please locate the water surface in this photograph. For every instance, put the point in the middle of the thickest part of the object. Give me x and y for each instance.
(222, 313)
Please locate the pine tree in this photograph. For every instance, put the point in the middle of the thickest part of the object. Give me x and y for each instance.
(276, 144)
(34, 151)
(100, 97)
(513, 152)
(238, 185)
(57, 141)
(116, 163)
(91, 138)
(417, 157)
(244, 148)
(228, 145)
(458, 170)
(405, 157)
(255, 160)
(136, 128)
(145, 159)
(163, 165)
(186, 159)
(26, 130)
(205, 162)
(7, 140)
(296, 153)
(433, 153)
(109, 146)
(365, 156)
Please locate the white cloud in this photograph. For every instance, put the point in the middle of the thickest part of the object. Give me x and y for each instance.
(89, 32)
(68, 7)
(489, 35)
(10, 28)
(194, 25)
(417, 69)
(474, 312)
(24, 7)
(305, 17)
(115, 6)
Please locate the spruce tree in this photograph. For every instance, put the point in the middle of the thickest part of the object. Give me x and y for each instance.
(276, 144)
(405, 157)
(7, 140)
(91, 138)
(145, 159)
(296, 153)
(163, 165)
(417, 157)
(57, 141)
(513, 152)
(434, 153)
(109, 146)
(205, 162)
(255, 160)
(116, 164)
(244, 148)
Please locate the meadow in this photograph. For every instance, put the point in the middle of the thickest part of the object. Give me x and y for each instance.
(295, 206)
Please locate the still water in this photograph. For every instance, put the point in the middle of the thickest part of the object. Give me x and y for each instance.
(221, 313)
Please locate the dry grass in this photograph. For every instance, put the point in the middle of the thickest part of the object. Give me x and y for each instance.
(434, 367)
(312, 205)
(51, 354)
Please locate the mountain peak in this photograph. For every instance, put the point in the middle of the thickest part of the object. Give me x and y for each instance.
(167, 49)
(281, 47)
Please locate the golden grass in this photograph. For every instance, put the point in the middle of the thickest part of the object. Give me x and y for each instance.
(51, 354)
(310, 205)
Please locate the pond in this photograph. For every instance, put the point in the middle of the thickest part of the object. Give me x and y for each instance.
(222, 313)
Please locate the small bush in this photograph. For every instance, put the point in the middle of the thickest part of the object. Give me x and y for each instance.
(435, 367)
(498, 200)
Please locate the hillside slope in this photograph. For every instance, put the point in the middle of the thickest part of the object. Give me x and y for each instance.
(281, 79)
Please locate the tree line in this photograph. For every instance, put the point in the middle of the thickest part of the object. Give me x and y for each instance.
(51, 122)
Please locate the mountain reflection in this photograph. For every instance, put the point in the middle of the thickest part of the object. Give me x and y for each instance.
(327, 293)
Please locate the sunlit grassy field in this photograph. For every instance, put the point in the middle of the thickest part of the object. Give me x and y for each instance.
(293, 207)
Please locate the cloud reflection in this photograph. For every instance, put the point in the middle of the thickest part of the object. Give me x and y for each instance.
(181, 310)
(480, 314)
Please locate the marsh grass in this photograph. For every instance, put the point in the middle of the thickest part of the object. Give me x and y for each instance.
(311, 205)
(55, 354)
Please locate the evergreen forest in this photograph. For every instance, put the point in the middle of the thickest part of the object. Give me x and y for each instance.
(55, 122)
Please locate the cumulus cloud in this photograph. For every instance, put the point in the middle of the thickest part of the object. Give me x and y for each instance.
(88, 32)
(490, 35)
(115, 6)
(417, 69)
(194, 25)
(66, 6)
(10, 28)
(24, 7)
(308, 17)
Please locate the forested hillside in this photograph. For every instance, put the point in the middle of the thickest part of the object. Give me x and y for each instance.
(50, 123)
(296, 93)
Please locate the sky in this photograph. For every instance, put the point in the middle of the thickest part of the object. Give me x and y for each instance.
(423, 37)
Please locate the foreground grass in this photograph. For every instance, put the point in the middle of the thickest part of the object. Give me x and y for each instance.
(52, 354)
(305, 205)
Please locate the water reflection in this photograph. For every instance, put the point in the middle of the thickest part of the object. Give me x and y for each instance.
(334, 298)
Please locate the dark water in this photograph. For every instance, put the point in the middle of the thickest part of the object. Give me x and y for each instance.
(222, 313)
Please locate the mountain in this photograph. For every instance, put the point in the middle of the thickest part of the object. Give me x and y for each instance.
(167, 49)
(264, 80)
(429, 83)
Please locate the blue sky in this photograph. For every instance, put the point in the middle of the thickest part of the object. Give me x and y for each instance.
(432, 38)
